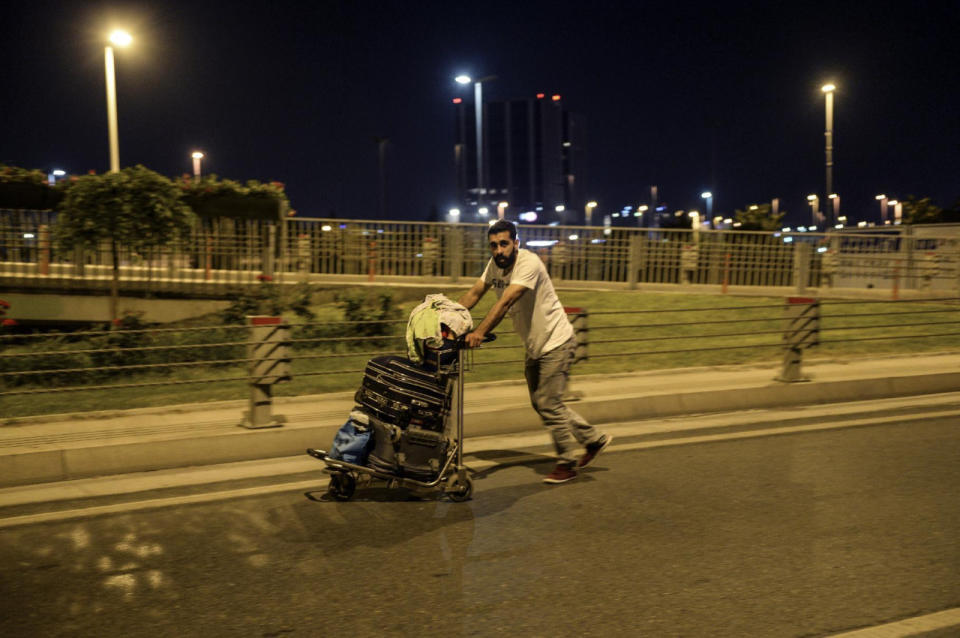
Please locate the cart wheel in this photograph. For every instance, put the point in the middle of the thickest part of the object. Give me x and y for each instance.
(341, 486)
(460, 489)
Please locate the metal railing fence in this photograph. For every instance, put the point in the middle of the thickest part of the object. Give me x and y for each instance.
(221, 254)
(330, 356)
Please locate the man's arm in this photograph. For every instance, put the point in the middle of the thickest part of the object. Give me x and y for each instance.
(472, 296)
(496, 314)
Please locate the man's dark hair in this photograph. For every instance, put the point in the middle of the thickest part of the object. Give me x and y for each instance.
(501, 226)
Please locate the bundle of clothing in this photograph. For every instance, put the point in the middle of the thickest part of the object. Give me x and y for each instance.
(433, 328)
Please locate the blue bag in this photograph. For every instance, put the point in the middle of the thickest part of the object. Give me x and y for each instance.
(353, 441)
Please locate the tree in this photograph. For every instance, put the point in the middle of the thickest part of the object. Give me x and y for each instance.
(758, 217)
(136, 208)
(921, 211)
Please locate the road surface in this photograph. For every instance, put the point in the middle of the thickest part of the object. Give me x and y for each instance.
(809, 533)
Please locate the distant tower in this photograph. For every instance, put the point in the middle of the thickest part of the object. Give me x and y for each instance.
(533, 156)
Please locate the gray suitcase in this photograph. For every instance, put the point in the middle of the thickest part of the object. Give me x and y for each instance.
(421, 453)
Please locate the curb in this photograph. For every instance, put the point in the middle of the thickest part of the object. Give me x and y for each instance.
(242, 404)
(147, 453)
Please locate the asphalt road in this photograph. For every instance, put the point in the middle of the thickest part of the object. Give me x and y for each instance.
(797, 535)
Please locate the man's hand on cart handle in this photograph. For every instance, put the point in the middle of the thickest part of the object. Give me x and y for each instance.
(474, 339)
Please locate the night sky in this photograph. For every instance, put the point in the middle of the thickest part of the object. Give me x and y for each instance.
(687, 96)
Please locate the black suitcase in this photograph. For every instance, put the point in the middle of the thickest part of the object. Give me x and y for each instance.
(398, 391)
(421, 453)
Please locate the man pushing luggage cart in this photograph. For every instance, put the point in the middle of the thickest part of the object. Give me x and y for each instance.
(525, 291)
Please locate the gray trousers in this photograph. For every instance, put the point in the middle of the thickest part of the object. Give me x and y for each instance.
(547, 382)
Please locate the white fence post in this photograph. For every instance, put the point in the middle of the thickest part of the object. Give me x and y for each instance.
(269, 252)
(801, 267)
(636, 255)
(454, 252)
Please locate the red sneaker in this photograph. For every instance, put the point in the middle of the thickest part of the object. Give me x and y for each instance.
(593, 451)
(561, 474)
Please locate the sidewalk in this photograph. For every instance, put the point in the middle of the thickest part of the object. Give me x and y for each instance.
(62, 447)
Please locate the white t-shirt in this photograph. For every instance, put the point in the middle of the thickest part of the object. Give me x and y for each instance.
(538, 316)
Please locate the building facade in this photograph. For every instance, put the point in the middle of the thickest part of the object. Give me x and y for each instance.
(532, 160)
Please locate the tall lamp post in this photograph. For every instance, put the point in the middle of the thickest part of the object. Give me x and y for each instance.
(589, 212)
(897, 211)
(121, 39)
(197, 156)
(883, 207)
(639, 214)
(814, 205)
(828, 90)
(478, 116)
(707, 196)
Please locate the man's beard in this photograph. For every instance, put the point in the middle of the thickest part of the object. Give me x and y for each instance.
(505, 263)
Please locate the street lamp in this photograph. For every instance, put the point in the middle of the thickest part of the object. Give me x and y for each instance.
(589, 212)
(695, 224)
(478, 116)
(897, 210)
(814, 205)
(639, 214)
(828, 90)
(708, 197)
(560, 210)
(121, 39)
(197, 156)
(501, 207)
(883, 207)
(836, 204)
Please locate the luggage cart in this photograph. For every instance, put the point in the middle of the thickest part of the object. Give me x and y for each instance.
(452, 479)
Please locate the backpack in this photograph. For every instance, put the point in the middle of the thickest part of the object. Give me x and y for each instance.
(353, 440)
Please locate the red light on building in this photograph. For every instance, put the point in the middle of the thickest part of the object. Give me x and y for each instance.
(556, 98)
(540, 96)
(457, 100)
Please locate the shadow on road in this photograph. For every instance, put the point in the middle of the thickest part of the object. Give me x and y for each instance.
(506, 459)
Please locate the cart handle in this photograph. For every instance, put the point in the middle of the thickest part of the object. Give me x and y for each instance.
(487, 338)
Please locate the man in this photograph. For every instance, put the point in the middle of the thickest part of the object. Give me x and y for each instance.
(524, 289)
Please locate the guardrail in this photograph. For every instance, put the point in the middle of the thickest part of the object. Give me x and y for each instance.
(329, 356)
(222, 254)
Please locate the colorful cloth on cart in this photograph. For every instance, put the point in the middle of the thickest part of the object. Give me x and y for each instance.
(353, 441)
(425, 325)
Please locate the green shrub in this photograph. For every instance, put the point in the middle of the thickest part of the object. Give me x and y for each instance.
(360, 306)
(268, 299)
